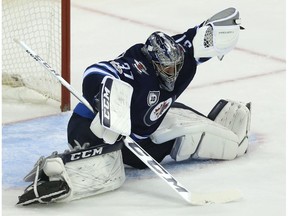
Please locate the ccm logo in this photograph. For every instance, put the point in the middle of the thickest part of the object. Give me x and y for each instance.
(86, 154)
(106, 107)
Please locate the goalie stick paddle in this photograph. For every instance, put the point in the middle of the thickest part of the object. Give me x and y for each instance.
(194, 199)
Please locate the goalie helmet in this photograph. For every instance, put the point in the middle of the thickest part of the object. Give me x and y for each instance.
(167, 58)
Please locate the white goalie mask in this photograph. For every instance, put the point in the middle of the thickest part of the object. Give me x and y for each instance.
(167, 57)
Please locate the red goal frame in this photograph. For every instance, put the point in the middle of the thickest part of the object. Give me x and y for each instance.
(65, 52)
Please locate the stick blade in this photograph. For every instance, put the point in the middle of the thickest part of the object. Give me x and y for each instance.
(16, 40)
(216, 197)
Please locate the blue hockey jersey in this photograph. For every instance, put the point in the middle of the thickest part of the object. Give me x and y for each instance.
(149, 102)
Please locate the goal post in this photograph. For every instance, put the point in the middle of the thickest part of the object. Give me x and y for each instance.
(65, 68)
(45, 25)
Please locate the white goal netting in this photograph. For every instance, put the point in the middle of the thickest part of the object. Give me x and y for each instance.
(38, 24)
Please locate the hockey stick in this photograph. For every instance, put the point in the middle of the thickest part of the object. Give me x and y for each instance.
(194, 199)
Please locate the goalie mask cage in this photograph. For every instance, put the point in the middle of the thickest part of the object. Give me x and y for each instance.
(45, 26)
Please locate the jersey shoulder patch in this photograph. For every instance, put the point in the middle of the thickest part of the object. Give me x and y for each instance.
(140, 67)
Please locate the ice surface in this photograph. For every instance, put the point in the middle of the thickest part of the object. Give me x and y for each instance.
(255, 71)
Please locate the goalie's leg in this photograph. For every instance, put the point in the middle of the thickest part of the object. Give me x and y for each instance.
(236, 116)
(223, 136)
(74, 175)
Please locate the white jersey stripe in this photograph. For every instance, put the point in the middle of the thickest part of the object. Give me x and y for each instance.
(100, 71)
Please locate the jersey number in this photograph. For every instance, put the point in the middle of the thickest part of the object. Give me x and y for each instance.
(125, 68)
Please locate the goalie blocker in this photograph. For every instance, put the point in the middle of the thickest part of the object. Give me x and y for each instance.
(114, 95)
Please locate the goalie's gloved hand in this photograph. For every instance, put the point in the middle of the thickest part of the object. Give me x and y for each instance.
(109, 136)
(218, 35)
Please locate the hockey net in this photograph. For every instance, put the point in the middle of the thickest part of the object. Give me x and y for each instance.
(45, 26)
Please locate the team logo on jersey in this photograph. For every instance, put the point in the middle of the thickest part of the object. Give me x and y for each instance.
(140, 67)
(153, 97)
(154, 113)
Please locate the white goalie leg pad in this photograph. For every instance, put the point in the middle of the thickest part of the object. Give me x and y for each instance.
(96, 175)
(113, 118)
(87, 177)
(196, 136)
(218, 35)
(236, 116)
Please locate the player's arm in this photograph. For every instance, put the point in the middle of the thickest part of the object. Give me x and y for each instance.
(92, 79)
(111, 98)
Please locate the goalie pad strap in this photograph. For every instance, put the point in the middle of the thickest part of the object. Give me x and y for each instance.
(73, 156)
(91, 152)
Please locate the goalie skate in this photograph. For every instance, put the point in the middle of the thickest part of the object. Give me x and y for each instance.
(46, 192)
